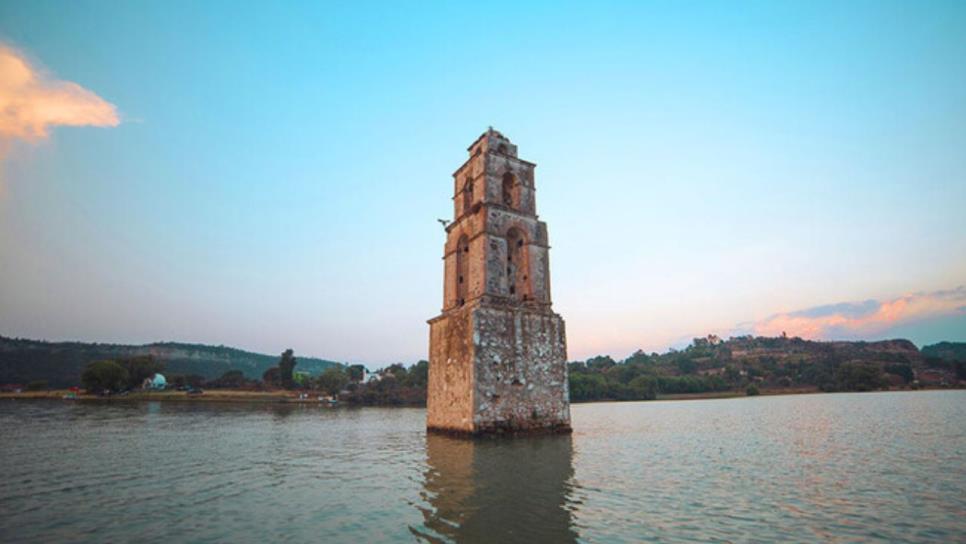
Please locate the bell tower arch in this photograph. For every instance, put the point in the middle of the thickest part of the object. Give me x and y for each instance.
(497, 351)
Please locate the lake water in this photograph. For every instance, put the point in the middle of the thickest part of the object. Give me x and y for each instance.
(842, 467)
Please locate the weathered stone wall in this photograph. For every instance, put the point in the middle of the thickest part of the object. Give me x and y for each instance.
(495, 142)
(470, 226)
(498, 165)
(449, 396)
(496, 266)
(486, 232)
(540, 274)
(499, 221)
(520, 359)
(498, 369)
(486, 168)
(498, 224)
(497, 353)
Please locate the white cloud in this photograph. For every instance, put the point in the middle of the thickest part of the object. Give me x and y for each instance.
(863, 318)
(32, 102)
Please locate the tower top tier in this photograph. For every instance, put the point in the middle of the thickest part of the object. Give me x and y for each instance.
(493, 141)
(493, 176)
(496, 246)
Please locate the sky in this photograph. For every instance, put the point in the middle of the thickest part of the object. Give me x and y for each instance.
(269, 176)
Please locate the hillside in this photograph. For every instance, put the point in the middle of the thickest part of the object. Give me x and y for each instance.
(61, 363)
(712, 364)
(946, 351)
(706, 365)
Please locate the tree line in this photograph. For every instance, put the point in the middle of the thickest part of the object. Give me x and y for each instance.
(706, 365)
(750, 364)
(393, 385)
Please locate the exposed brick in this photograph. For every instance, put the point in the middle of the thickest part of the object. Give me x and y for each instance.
(498, 352)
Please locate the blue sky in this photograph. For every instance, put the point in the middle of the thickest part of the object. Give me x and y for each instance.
(276, 173)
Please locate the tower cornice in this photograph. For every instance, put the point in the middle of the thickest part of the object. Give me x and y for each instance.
(495, 154)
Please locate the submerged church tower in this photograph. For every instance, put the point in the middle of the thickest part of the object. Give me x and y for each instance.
(497, 352)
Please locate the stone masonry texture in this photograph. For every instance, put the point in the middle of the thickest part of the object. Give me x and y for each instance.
(498, 352)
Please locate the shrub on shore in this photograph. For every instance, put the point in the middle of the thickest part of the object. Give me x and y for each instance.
(37, 385)
(101, 376)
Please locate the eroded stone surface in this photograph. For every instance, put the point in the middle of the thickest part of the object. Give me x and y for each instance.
(497, 352)
(520, 367)
(451, 374)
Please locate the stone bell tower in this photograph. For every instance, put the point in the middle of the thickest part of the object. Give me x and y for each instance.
(497, 352)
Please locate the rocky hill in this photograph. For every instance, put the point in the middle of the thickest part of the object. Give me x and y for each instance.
(713, 364)
(946, 351)
(61, 363)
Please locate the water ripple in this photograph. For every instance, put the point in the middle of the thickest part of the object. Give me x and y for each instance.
(835, 468)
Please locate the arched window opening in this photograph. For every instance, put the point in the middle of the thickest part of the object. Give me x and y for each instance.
(462, 270)
(467, 195)
(510, 191)
(516, 265)
(501, 148)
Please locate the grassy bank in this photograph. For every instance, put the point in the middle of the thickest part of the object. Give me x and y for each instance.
(219, 395)
(239, 396)
(739, 393)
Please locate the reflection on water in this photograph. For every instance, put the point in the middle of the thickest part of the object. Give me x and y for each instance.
(498, 490)
(841, 468)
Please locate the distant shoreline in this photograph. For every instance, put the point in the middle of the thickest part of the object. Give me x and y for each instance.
(220, 395)
(284, 397)
(731, 393)
(772, 392)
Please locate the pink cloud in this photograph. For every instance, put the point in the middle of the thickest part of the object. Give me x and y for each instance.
(32, 102)
(868, 317)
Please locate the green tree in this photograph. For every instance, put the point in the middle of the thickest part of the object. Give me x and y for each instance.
(600, 362)
(686, 365)
(859, 376)
(301, 379)
(140, 368)
(230, 379)
(732, 374)
(639, 357)
(587, 387)
(643, 388)
(272, 376)
(356, 372)
(902, 370)
(286, 365)
(752, 390)
(37, 385)
(418, 375)
(104, 376)
(396, 370)
(333, 380)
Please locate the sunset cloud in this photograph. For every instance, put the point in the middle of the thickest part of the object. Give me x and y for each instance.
(850, 319)
(32, 102)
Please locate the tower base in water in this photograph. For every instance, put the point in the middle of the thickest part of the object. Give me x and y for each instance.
(498, 369)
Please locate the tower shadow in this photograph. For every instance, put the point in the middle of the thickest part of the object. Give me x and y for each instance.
(498, 490)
